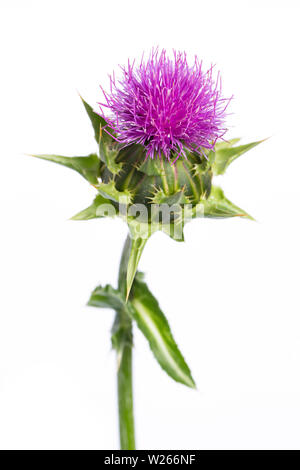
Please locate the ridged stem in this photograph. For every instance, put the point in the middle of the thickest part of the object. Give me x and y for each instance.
(125, 390)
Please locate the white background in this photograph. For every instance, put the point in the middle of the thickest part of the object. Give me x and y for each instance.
(231, 292)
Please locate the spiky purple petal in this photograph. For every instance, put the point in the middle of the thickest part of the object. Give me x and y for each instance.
(166, 105)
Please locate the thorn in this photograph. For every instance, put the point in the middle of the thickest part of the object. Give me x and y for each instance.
(127, 293)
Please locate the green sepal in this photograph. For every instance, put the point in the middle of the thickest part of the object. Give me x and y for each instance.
(145, 310)
(109, 190)
(217, 206)
(88, 167)
(225, 155)
(92, 212)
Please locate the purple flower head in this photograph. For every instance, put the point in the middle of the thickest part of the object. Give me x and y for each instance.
(166, 105)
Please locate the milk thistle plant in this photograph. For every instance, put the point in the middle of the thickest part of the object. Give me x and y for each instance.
(160, 135)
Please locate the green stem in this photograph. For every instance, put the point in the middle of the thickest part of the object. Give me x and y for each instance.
(125, 399)
(125, 392)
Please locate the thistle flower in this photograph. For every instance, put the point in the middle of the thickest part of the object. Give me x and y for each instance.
(162, 108)
(166, 105)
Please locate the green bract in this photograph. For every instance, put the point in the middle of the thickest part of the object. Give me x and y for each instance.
(150, 195)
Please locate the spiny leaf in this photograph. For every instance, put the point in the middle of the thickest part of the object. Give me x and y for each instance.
(140, 232)
(226, 143)
(96, 210)
(136, 249)
(145, 310)
(96, 120)
(218, 206)
(110, 191)
(108, 147)
(106, 297)
(88, 167)
(224, 156)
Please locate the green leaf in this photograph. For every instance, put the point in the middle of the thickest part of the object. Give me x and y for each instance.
(140, 232)
(106, 297)
(92, 212)
(109, 190)
(88, 167)
(137, 246)
(218, 206)
(154, 325)
(226, 143)
(96, 120)
(225, 155)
